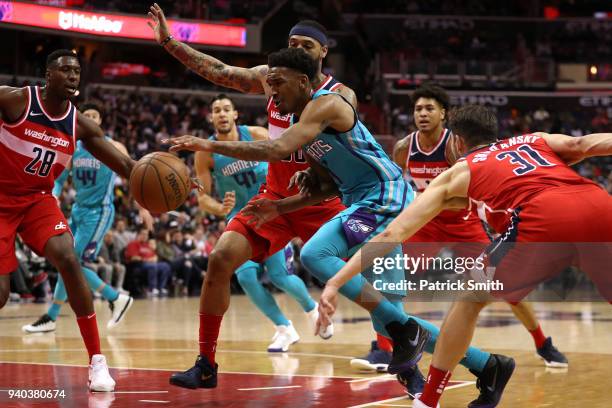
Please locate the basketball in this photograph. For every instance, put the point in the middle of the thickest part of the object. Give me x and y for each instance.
(160, 182)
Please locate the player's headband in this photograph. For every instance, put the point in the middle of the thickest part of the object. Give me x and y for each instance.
(309, 31)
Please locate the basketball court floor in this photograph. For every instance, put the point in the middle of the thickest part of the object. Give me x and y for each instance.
(160, 336)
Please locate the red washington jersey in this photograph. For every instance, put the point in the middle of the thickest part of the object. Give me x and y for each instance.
(509, 173)
(35, 149)
(449, 226)
(280, 172)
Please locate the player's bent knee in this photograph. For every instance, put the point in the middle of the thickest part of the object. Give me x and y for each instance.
(220, 264)
(66, 262)
(311, 257)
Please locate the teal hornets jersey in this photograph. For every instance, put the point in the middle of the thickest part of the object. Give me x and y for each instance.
(360, 167)
(242, 177)
(93, 181)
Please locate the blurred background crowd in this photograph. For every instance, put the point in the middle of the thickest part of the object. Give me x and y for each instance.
(543, 65)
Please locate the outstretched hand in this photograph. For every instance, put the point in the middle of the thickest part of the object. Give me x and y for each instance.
(188, 142)
(158, 23)
(327, 307)
(261, 211)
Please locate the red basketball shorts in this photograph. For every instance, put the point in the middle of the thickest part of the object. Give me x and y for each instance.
(36, 218)
(561, 227)
(274, 235)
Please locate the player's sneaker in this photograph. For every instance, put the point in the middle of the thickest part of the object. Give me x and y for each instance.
(325, 333)
(413, 380)
(409, 340)
(201, 375)
(283, 338)
(119, 309)
(377, 360)
(551, 355)
(417, 403)
(44, 324)
(492, 381)
(99, 377)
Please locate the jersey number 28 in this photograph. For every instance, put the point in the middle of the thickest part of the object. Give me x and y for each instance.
(44, 159)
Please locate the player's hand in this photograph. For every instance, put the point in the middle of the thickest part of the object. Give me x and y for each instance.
(229, 201)
(147, 218)
(188, 142)
(327, 306)
(158, 23)
(304, 181)
(261, 211)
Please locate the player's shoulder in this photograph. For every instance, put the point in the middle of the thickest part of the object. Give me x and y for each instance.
(13, 92)
(403, 144)
(347, 93)
(257, 132)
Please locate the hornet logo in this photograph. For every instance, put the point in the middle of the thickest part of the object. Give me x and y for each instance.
(358, 226)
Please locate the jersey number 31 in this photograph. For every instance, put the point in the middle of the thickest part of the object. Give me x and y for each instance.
(526, 158)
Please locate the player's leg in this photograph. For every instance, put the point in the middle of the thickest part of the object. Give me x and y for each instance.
(285, 335)
(280, 271)
(45, 230)
(232, 250)
(58, 250)
(92, 227)
(323, 256)
(46, 322)
(544, 346)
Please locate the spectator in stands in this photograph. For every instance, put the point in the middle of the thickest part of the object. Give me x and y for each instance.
(121, 235)
(186, 251)
(110, 266)
(141, 253)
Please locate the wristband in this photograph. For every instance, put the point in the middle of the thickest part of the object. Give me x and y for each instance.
(166, 41)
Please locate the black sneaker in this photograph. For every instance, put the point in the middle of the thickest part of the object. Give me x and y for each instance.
(377, 360)
(201, 375)
(492, 381)
(551, 356)
(413, 380)
(409, 340)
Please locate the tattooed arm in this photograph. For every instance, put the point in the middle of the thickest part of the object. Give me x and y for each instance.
(325, 111)
(247, 80)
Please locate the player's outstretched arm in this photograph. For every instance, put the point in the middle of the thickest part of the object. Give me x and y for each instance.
(102, 149)
(317, 116)
(575, 149)
(247, 80)
(203, 163)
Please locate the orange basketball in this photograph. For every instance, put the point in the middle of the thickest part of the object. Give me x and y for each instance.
(160, 182)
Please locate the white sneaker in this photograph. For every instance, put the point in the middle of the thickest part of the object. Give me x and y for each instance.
(43, 325)
(119, 309)
(99, 377)
(283, 338)
(325, 333)
(416, 403)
